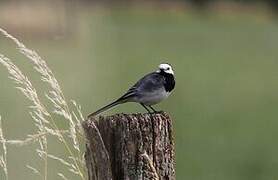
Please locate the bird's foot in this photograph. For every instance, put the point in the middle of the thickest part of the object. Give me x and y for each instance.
(156, 112)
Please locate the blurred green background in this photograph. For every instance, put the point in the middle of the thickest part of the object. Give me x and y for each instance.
(225, 58)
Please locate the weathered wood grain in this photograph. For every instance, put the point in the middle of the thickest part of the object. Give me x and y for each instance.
(130, 147)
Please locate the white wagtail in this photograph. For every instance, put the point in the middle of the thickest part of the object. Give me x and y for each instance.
(149, 90)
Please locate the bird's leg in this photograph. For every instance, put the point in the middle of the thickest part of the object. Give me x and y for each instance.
(146, 108)
(151, 115)
(154, 111)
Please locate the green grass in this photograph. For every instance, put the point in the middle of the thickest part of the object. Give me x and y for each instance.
(225, 103)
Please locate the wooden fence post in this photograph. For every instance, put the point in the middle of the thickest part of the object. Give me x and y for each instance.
(130, 147)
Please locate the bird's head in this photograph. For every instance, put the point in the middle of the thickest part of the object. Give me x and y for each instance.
(166, 68)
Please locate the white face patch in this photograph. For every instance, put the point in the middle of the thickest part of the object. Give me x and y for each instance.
(166, 68)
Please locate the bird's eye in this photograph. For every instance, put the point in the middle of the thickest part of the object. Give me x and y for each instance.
(167, 68)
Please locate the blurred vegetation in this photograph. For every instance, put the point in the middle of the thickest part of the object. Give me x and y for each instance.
(225, 103)
(196, 3)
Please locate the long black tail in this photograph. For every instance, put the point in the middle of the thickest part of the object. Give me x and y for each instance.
(105, 108)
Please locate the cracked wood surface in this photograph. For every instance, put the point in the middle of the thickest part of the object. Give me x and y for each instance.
(130, 147)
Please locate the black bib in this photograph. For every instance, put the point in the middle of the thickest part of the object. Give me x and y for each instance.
(169, 81)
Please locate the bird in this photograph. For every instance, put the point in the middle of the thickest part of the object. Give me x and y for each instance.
(149, 90)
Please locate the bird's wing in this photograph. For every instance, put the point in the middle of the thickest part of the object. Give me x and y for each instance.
(148, 84)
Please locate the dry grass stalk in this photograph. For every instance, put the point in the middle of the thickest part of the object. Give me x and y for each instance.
(3, 157)
(55, 95)
(34, 170)
(42, 117)
(38, 111)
